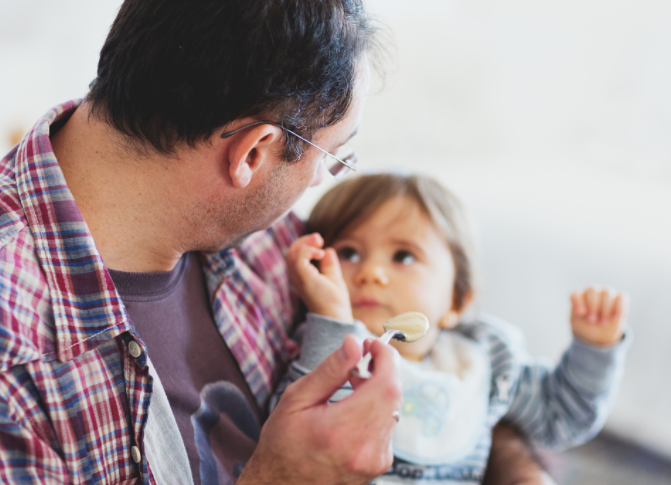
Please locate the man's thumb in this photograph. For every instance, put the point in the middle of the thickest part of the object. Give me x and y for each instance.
(320, 384)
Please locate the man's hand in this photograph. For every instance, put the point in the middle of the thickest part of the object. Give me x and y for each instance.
(598, 315)
(308, 441)
(323, 290)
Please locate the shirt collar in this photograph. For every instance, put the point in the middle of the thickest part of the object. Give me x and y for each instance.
(87, 309)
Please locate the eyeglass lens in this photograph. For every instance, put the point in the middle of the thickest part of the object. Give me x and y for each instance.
(338, 170)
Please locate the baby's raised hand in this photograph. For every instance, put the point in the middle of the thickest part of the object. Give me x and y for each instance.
(323, 289)
(598, 315)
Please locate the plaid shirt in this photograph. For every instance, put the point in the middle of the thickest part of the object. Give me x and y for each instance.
(73, 400)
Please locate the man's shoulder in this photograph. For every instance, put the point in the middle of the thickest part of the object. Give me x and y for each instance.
(25, 302)
(12, 216)
(26, 316)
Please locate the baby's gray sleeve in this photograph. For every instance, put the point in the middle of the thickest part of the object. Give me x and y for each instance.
(321, 337)
(569, 405)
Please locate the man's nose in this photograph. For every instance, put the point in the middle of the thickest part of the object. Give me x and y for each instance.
(371, 273)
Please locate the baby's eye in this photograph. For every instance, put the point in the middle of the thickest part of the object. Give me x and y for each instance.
(348, 254)
(404, 257)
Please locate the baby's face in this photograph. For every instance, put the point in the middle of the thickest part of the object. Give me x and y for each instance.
(396, 262)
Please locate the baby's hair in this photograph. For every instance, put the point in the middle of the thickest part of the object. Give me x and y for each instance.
(351, 202)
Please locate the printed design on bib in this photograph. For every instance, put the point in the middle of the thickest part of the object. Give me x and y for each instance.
(445, 400)
(429, 402)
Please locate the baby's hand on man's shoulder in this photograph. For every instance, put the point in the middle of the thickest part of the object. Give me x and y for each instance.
(598, 315)
(323, 289)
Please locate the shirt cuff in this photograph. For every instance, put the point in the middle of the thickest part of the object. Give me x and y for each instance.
(597, 367)
(323, 335)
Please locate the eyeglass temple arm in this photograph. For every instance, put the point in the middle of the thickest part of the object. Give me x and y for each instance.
(231, 133)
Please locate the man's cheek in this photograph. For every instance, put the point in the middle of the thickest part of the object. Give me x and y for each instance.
(319, 175)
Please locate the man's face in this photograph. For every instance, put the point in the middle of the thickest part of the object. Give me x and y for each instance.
(280, 184)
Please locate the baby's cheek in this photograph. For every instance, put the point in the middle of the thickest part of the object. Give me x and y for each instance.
(373, 319)
(425, 302)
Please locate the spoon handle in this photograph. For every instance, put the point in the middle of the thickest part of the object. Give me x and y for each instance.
(361, 368)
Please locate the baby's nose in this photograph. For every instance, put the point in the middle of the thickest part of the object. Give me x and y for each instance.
(372, 273)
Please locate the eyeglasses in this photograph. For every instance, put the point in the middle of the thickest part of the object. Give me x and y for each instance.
(337, 170)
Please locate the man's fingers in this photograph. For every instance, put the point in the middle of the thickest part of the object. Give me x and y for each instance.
(366, 345)
(386, 359)
(375, 400)
(385, 365)
(320, 384)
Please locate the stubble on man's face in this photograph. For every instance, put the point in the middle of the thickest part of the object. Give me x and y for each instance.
(229, 224)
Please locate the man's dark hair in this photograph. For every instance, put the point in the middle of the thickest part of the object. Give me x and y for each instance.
(174, 71)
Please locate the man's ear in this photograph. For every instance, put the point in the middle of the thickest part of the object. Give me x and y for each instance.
(453, 315)
(249, 150)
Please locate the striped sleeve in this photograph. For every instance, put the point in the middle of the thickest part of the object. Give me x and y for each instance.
(566, 406)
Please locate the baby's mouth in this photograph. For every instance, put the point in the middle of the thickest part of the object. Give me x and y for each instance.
(365, 302)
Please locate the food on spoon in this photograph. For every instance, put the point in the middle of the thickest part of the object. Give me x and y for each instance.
(411, 325)
(406, 327)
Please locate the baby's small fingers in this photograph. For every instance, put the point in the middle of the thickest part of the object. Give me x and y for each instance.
(300, 266)
(330, 265)
(593, 298)
(298, 245)
(620, 308)
(578, 303)
(309, 253)
(607, 302)
(315, 239)
(311, 240)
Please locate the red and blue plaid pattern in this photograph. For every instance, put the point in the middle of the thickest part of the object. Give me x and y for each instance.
(73, 401)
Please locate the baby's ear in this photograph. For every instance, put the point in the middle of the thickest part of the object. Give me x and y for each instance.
(449, 319)
(452, 316)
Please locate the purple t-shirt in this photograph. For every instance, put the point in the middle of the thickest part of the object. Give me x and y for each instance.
(215, 411)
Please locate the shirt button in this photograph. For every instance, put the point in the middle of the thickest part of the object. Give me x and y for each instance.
(134, 349)
(135, 453)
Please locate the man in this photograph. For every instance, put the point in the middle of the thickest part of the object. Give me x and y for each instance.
(126, 355)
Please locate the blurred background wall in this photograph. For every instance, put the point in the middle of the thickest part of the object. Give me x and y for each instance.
(550, 119)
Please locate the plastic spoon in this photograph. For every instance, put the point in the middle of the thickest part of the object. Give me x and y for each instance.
(406, 327)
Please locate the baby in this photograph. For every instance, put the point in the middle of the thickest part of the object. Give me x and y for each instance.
(397, 243)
